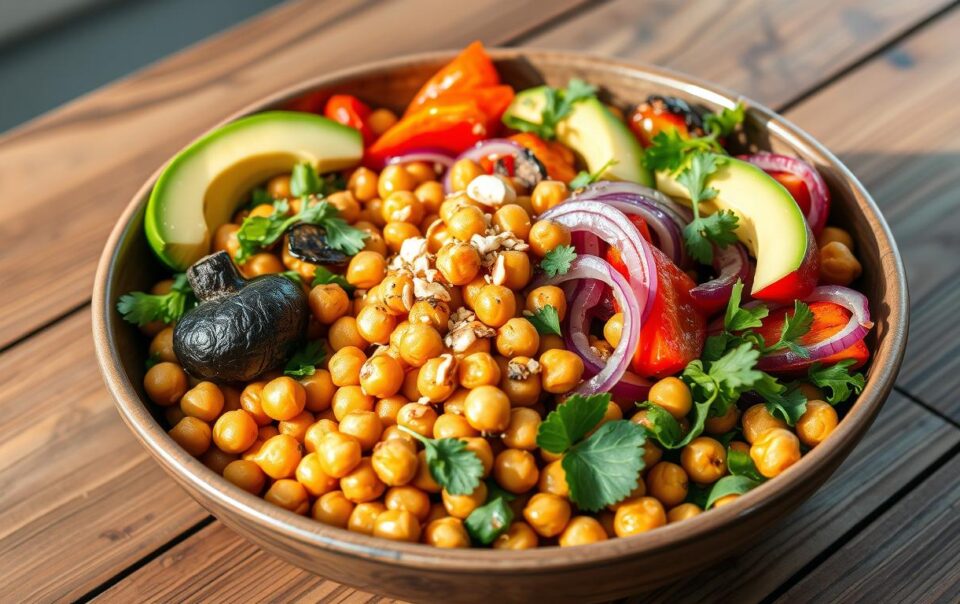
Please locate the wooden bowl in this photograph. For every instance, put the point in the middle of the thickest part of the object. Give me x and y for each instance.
(598, 571)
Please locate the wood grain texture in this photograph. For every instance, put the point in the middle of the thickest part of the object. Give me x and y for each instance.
(906, 150)
(904, 440)
(79, 497)
(769, 51)
(103, 146)
(910, 554)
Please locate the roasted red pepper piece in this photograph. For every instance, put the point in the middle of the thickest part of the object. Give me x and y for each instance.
(452, 128)
(492, 101)
(828, 319)
(350, 111)
(659, 114)
(796, 187)
(555, 157)
(471, 69)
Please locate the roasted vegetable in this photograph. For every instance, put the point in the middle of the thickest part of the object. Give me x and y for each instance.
(309, 242)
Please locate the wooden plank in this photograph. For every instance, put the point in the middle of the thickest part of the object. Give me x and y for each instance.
(910, 554)
(79, 497)
(912, 173)
(87, 159)
(769, 51)
(905, 439)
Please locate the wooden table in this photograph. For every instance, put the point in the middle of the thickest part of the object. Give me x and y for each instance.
(86, 514)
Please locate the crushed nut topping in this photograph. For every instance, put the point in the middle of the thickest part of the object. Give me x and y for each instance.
(603, 353)
(465, 329)
(425, 290)
(521, 371)
(445, 368)
(407, 296)
(499, 273)
(491, 190)
(488, 246)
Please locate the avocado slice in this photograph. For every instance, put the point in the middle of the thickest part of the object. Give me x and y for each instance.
(771, 223)
(203, 185)
(593, 132)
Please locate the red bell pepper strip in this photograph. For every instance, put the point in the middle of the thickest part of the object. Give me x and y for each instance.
(350, 111)
(491, 100)
(795, 186)
(828, 319)
(472, 68)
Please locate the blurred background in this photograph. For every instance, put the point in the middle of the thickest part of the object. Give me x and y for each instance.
(54, 50)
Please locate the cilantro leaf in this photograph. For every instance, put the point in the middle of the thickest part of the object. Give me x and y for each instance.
(141, 308)
(734, 371)
(570, 421)
(259, 196)
(341, 236)
(604, 468)
(257, 232)
(584, 178)
(558, 103)
(455, 467)
(795, 326)
(838, 379)
(324, 276)
(729, 485)
(786, 402)
(305, 181)
(741, 464)
(704, 232)
(694, 176)
(293, 276)
(304, 361)
(666, 430)
(546, 320)
(669, 150)
(724, 123)
(738, 318)
(558, 260)
(489, 521)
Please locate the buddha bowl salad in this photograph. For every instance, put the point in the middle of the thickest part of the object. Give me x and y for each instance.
(506, 318)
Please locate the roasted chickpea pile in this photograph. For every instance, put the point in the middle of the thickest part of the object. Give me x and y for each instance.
(434, 339)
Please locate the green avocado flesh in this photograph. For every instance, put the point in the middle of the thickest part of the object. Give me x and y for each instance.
(771, 223)
(593, 132)
(204, 184)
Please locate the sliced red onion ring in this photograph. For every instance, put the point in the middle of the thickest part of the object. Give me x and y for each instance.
(612, 369)
(854, 331)
(609, 189)
(496, 147)
(668, 235)
(731, 263)
(819, 193)
(432, 156)
(614, 228)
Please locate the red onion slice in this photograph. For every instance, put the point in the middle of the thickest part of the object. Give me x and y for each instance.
(612, 369)
(731, 263)
(819, 193)
(439, 159)
(668, 235)
(854, 331)
(494, 147)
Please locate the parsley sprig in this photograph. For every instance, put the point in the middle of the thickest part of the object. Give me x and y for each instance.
(558, 260)
(141, 308)
(602, 468)
(584, 178)
(493, 518)
(838, 379)
(304, 361)
(324, 276)
(558, 104)
(546, 320)
(455, 467)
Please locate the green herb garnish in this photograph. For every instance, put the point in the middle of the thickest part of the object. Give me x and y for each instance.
(546, 320)
(729, 485)
(838, 379)
(558, 104)
(584, 178)
(325, 276)
(558, 260)
(304, 362)
(141, 308)
(489, 521)
(455, 467)
(704, 232)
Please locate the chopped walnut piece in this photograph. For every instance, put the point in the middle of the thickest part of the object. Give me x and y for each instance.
(425, 290)
(517, 370)
(445, 367)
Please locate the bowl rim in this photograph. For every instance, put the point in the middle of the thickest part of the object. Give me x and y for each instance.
(267, 517)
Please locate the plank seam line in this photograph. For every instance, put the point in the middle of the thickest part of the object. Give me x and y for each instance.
(828, 552)
(45, 326)
(927, 406)
(554, 21)
(868, 57)
(146, 559)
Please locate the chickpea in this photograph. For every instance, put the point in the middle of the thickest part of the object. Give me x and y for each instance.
(363, 184)
(217, 460)
(338, 454)
(522, 387)
(432, 312)
(550, 342)
(381, 120)
(484, 452)
(387, 409)
(704, 460)
(346, 204)
(173, 415)
(723, 423)
(398, 525)
(437, 235)
(395, 233)
(267, 432)
(262, 264)
(487, 409)
(410, 499)
(471, 291)
(225, 239)
(560, 370)
(546, 235)
(403, 206)
(381, 375)
(344, 332)
(547, 295)
(739, 446)
(460, 506)
(375, 324)
(430, 193)
(811, 392)
(165, 383)
(514, 219)
(757, 420)
(235, 431)
(521, 433)
(516, 470)
(328, 303)
(582, 530)
(641, 515)
(725, 500)
(417, 417)
(364, 426)
(395, 462)
(446, 532)
(673, 395)
(245, 474)
(250, 401)
(518, 337)
(364, 517)
(362, 484)
(351, 398)
(458, 262)
(437, 379)
(816, 423)
(449, 425)
(161, 347)
(478, 369)
(553, 479)
(495, 305)
(395, 433)
(278, 456)
(465, 222)
(283, 398)
(204, 401)
(668, 482)
(374, 241)
(373, 212)
(423, 479)
(410, 390)
(419, 344)
(192, 434)
(774, 451)
(832, 234)
(395, 178)
(463, 172)
(288, 494)
(310, 474)
(518, 536)
(547, 514)
(547, 194)
(684, 511)
(366, 269)
(838, 265)
(319, 389)
(334, 509)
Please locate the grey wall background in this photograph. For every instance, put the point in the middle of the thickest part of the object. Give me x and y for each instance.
(54, 50)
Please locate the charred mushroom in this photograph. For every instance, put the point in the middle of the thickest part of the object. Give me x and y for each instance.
(308, 242)
(240, 328)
